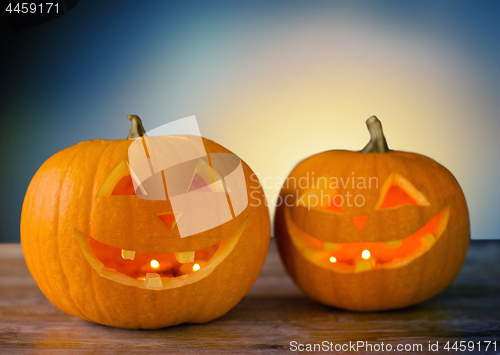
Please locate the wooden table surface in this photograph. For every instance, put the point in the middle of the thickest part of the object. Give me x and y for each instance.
(273, 314)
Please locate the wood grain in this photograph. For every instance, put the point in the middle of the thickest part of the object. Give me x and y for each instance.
(273, 314)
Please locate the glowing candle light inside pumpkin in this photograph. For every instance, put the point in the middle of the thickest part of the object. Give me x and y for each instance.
(154, 264)
(365, 254)
(190, 268)
(333, 259)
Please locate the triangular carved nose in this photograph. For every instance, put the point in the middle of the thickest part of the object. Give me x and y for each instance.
(359, 221)
(169, 219)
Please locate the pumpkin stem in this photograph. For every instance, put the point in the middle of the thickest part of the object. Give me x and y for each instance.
(377, 143)
(137, 130)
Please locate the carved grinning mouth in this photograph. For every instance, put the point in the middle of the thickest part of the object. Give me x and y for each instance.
(359, 257)
(155, 271)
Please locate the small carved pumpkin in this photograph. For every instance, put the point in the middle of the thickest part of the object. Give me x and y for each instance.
(372, 230)
(107, 249)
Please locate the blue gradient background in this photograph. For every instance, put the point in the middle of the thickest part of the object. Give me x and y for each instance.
(272, 81)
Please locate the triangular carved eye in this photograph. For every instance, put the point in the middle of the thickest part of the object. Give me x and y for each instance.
(120, 182)
(321, 197)
(397, 191)
(124, 187)
(204, 177)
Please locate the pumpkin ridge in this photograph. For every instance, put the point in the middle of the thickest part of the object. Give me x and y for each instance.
(33, 233)
(99, 307)
(58, 229)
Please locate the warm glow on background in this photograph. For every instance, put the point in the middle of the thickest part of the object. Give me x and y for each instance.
(274, 82)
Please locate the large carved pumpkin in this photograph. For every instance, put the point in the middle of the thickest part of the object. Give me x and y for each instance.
(372, 230)
(106, 249)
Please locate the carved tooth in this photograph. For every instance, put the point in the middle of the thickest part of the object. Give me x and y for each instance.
(153, 281)
(128, 254)
(393, 243)
(330, 246)
(363, 265)
(427, 240)
(185, 257)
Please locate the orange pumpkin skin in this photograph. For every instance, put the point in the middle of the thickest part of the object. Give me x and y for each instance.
(62, 197)
(397, 285)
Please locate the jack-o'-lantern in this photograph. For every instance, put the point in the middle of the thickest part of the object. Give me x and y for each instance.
(103, 247)
(372, 230)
